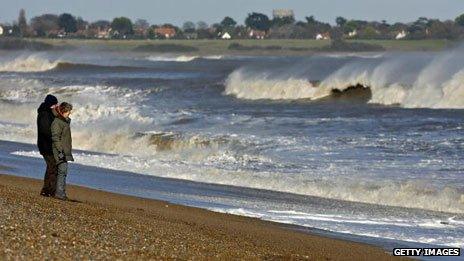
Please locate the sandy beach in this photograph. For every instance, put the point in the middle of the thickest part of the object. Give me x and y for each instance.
(102, 225)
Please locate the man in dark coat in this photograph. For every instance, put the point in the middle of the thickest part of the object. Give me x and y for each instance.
(45, 116)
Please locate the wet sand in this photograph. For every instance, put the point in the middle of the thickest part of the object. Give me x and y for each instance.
(102, 225)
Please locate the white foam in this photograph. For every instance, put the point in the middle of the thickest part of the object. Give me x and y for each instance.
(181, 58)
(389, 228)
(392, 81)
(261, 87)
(409, 194)
(365, 55)
(28, 63)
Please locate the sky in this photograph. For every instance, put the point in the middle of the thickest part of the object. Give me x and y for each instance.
(212, 11)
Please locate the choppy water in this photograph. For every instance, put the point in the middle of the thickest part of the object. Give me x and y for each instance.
(384, 129)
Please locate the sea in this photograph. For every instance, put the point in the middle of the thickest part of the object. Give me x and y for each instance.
(363, 144)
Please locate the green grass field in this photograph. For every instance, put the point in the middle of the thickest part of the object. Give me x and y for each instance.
(289, 46)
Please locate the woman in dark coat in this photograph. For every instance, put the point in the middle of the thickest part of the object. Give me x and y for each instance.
(62, 146)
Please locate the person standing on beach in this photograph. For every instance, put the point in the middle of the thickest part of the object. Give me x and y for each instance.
(62, 146)
(45, 115)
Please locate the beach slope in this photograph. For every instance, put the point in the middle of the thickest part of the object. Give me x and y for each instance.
(102, 225)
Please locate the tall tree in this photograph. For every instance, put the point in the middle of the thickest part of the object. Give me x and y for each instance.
(101, 24)
(81, 24)
(340, 21)
(460, 20)
(141, 24)
(68, 23)
(228, 23)
(123, 25)
(188, 27)
(258, 21)
(22, 23)
(202, 25)
(310, 20)
(281, 21)
(45, 23)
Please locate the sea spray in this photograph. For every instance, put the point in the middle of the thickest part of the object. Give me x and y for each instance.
(408, 80)
(28, 63)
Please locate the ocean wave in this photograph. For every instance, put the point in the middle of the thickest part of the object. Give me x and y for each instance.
(105, 117)
(349, 55)
(408, 194)
(182, 58)
(28, 63)
(40, 63)
(393, 81)
(255, 87)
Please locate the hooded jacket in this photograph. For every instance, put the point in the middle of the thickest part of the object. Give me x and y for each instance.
(45, 117)
(61, 138)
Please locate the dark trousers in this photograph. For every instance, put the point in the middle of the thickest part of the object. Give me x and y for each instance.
(49, 185)
(61, 180)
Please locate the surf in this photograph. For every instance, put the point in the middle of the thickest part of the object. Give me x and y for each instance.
(394, 80)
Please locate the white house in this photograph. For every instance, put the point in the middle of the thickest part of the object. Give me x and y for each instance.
(353, 33)
(401, 35)
(257, 34)
(226, 36)
(1, 30)
(324, 36)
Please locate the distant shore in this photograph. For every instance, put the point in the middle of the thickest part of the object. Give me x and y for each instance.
(276, 47)
(102, 225)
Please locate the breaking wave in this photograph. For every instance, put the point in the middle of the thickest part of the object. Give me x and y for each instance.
(182, 58)
(112, 119)
(38, 63)
(409, 194)
(106, 119)
(437, 82)
(28, 63)
(105, 116)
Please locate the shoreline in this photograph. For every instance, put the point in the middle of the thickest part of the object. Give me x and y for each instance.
(146, 228)
(266, 47)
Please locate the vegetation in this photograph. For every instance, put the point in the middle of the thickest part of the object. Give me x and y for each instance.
(258, 21)
(237, 46)
(175, 48)
(256, 25)
(122, 25)
(343, 46)
(217, 47)
(68, 23)
(21, 44)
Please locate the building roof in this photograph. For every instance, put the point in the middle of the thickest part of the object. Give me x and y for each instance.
(282, 13)
(165, 31)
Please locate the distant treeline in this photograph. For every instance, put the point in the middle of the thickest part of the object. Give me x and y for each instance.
(256, 25)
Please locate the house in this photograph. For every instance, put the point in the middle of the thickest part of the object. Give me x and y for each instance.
(191, 36)
(166, 32)
(226, 36)
(323, 36)
(283, 13)
(103, 33)
(257, 34)
(56, 33)
(6, 30)
(141, 31)
(401, 35)
(353, 33)
(1, 30)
